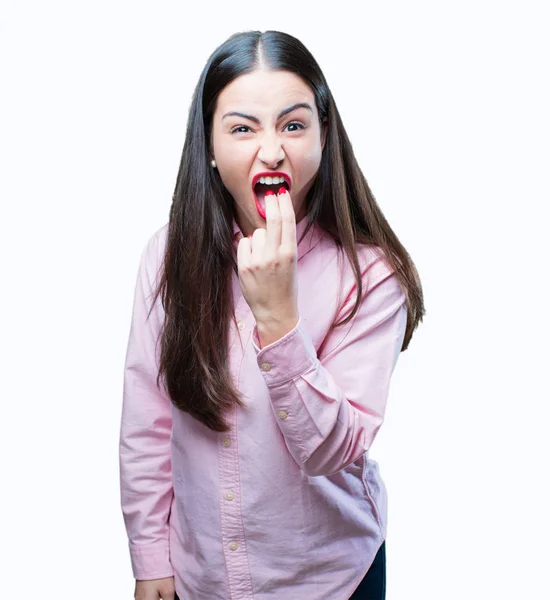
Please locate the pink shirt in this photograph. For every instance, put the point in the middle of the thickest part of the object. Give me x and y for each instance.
(287, 504)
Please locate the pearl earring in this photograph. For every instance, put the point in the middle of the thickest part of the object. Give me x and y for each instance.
(213, 164)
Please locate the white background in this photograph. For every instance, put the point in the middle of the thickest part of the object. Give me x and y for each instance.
(447, 106)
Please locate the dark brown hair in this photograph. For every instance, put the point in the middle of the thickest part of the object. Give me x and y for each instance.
(195, 282)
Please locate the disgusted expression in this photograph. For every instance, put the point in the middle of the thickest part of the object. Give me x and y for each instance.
(266, 135)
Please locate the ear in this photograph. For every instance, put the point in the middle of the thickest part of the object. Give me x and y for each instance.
(210, 145)
(324, 131)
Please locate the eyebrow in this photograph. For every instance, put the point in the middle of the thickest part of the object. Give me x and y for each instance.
(279, 116)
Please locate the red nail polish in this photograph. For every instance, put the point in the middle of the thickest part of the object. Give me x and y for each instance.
(270, 193)
(250, 236)
(282, 190)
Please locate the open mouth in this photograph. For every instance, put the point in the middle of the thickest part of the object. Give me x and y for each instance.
(260, 190)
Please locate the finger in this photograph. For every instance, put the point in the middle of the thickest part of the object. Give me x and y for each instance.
(273, 222)
(288, 221)
(243, 252)
(258, 242)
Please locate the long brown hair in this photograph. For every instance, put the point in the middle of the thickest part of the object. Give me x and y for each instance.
(195, 282)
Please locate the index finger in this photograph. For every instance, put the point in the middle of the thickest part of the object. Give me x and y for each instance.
(288, 222)
(273, 222)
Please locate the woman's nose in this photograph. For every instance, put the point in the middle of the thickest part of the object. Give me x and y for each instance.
(271, 151)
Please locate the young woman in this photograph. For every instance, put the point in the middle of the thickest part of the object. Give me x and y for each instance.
(273, 306)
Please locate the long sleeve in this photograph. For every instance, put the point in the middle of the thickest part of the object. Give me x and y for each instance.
(146, 423)
(329, 410)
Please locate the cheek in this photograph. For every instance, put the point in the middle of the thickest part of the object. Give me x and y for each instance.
(232, 156)
(232, 163)
(310, 159)
(229, 178)
(313, 159)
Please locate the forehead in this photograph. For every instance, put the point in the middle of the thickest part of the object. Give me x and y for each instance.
(264, 91)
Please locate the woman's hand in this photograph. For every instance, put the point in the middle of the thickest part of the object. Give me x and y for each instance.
(155, 589)
(267, 270)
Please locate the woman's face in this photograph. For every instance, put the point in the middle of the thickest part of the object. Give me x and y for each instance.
(266, 122)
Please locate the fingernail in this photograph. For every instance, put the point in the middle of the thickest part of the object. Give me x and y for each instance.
(270, 193)
(282, 190)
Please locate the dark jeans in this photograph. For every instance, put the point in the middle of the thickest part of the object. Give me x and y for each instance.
(373, 584)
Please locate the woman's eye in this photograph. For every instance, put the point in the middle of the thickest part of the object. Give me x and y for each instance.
(237, 129)
(298, 125)
(245, 129)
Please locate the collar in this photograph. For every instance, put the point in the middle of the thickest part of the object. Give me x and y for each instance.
(306, 245)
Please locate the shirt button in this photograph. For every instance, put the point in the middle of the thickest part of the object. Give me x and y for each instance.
(241, 325)
(283, 414)
(266, 366)
(230, 495)
(227, 442)
(233, 546)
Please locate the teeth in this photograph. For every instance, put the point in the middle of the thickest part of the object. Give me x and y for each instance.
(271, 180)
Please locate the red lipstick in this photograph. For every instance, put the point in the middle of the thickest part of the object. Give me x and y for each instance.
(256, 179)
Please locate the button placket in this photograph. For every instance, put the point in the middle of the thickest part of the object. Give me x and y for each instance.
(230, 497)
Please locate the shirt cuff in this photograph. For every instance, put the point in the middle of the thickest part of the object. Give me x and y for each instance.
(287, 358)
(151, 561)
